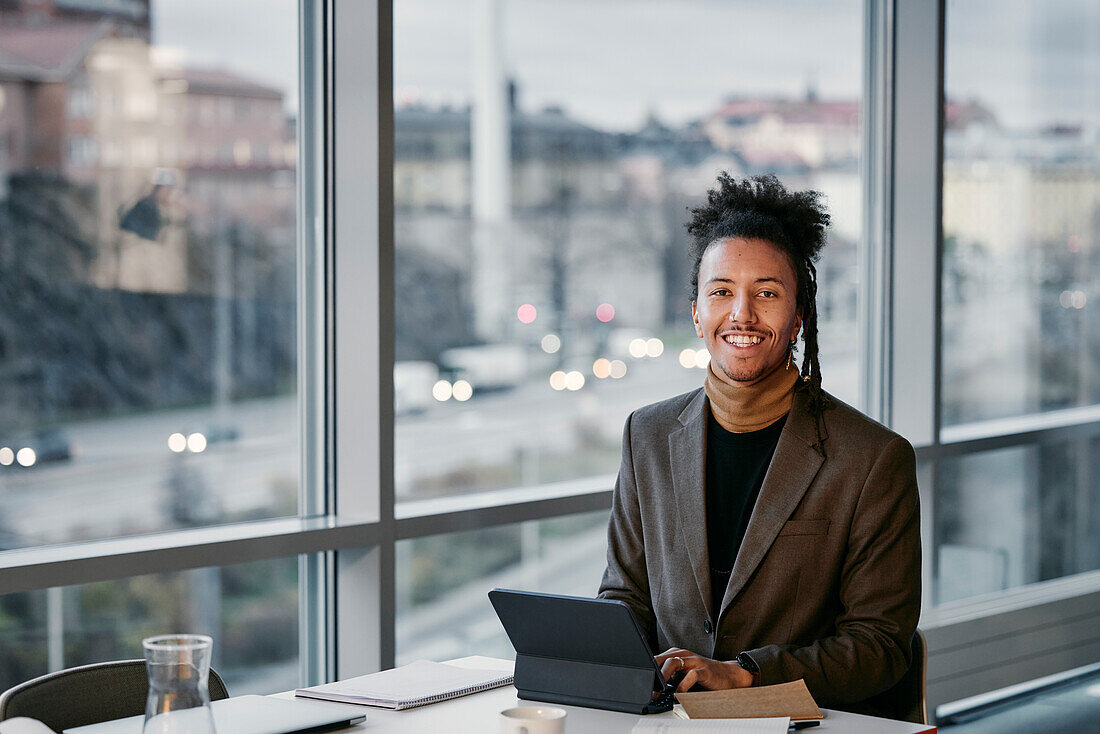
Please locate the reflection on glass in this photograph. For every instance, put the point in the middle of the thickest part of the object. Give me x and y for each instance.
(147, 267)
(546, 154)
(250, 610)
(1021, 194)
(1016, 516)
(442, 581)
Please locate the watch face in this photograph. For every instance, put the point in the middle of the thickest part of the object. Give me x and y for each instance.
(747, 663)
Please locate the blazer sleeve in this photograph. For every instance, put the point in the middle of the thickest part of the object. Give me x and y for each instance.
(626, 578)
(880, 593)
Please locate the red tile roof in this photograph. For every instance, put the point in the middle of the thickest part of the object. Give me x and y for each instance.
(217, 81)
(791, 111)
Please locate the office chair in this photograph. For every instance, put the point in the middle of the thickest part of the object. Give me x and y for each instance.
(905, 700)
(88, 694)
(912, 689)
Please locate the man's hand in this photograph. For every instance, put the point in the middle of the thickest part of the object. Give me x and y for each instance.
(711, 674)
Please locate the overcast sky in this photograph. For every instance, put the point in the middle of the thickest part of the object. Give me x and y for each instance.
(255, 38)
(611, 62)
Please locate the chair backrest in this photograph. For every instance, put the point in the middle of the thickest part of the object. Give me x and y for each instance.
(905, 700)
(87, 695)
(913, 686)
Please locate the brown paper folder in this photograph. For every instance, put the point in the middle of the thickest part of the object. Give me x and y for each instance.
(786, 699)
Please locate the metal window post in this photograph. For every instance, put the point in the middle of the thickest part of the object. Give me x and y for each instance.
(363, 271)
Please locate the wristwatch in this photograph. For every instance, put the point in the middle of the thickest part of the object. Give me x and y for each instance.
(745, 661)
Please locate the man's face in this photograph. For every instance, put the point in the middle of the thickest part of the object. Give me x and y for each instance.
(746, 310)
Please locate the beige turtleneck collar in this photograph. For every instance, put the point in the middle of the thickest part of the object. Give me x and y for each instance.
(740, 409)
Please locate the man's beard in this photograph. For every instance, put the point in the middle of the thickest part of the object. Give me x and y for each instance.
(749, 375)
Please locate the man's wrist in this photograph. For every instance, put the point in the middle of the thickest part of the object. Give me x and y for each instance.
(746, 663)
(738, 677)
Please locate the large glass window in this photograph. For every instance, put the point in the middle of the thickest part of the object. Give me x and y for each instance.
(250, 610)
(1011, 517)
(1021, 209)
(147, 267)
(1021, 242)
(546, 154)
(442, 580)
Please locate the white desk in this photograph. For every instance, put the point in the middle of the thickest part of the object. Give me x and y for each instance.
(480, 714)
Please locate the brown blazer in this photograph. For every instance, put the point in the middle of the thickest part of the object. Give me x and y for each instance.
(826, 586)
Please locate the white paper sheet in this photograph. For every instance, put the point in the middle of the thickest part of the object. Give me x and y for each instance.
(777, 725)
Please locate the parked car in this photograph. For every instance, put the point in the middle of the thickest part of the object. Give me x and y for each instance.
(195, 440)
(486, 367)
(42, 447)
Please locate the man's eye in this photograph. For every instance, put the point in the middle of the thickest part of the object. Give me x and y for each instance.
(768, 294)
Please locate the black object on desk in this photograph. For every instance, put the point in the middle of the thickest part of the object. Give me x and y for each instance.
(581, 652)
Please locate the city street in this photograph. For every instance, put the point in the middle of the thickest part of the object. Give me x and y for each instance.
(120, 480)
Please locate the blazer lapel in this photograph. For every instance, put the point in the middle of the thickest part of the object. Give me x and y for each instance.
(792, 469)
(686, 457)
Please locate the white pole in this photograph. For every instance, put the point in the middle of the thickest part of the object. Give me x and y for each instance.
(490, 134)
(491, 151)
(55, 628)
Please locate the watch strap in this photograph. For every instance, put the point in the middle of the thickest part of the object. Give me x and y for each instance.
(745, 661)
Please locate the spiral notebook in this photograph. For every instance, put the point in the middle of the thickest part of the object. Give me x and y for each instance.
(415, 684)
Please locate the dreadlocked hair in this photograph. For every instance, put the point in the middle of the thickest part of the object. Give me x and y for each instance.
(760, 207)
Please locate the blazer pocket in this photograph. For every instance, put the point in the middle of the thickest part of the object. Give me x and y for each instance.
(805, 527)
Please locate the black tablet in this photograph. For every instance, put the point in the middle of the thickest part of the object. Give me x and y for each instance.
(580, 651)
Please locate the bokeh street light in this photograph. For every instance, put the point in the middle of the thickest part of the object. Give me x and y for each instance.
(196, 442)
(526, 313)
(177, 442)
(442, 391)
(574, 380)
(557, 380)
(462, 391)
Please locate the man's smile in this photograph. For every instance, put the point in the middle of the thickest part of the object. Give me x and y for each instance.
(742, 341)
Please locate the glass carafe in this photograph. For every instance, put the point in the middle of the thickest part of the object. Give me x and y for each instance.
(179, 696)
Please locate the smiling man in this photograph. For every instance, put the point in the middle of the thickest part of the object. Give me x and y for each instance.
(761, 530)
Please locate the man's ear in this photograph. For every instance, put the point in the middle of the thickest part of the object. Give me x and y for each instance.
(695, 320)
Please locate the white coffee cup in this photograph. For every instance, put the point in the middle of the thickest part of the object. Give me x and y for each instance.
(532, 720)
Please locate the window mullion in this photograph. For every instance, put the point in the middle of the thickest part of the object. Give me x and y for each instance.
(913, 399)
(362, 160)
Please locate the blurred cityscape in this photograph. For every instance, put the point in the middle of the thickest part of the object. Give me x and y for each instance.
(147, 333)
(147, 321)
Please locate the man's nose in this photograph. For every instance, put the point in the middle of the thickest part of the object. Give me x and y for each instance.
(741, 311)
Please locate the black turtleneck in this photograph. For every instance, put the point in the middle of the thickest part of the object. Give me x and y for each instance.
(735, 469)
